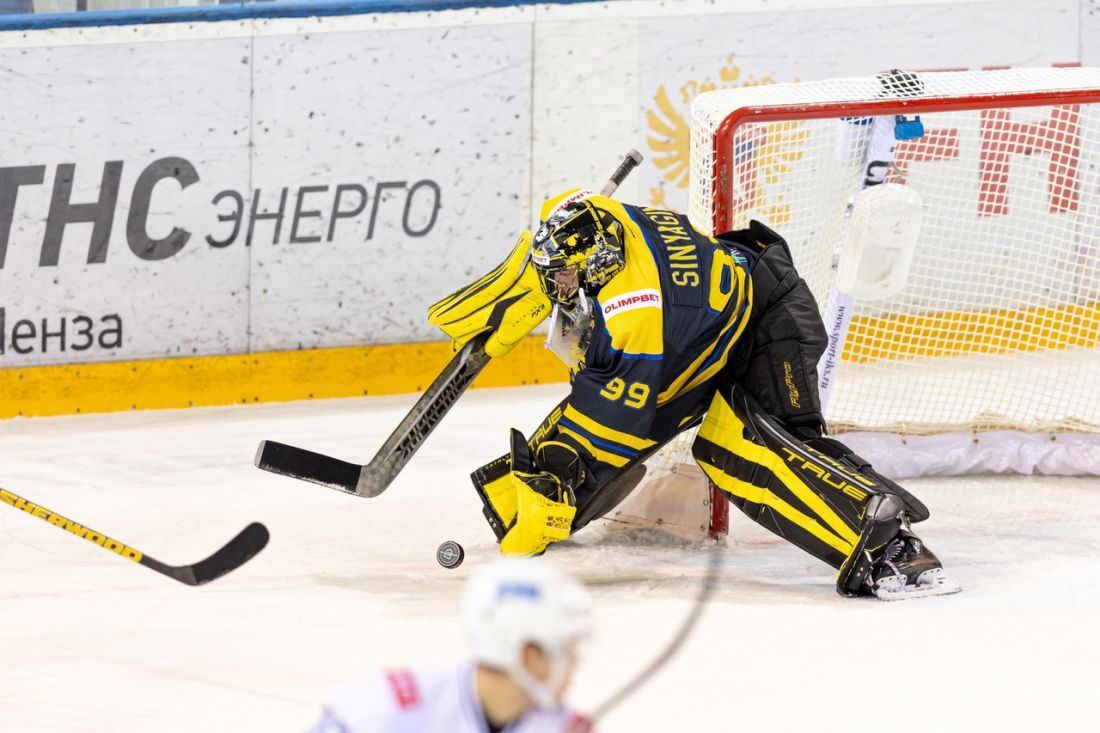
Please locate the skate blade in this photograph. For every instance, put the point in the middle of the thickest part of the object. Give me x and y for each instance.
(932, 582)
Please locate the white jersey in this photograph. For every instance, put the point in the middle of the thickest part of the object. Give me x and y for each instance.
(425, 700)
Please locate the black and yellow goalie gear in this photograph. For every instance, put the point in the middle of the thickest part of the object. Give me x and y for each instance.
(493, 484)
(491, 480)
(508, 301)
(530, 503)
(816, 494)
(541, 519)
(579, 246)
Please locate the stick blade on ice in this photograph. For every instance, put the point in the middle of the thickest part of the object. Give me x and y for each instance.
(239, 550)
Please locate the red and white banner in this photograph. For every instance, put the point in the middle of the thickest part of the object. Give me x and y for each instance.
(635, 299)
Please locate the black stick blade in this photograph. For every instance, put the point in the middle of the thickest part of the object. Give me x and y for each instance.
(305, 465)
(239, 550)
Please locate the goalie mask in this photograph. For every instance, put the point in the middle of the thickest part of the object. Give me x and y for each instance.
(579, 247)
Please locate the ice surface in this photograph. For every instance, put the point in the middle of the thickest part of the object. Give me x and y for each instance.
(89, 642)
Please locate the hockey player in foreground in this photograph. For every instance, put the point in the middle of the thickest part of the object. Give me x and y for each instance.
(524, 620)
(660, 325)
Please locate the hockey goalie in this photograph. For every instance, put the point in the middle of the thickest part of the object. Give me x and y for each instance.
(663, 326)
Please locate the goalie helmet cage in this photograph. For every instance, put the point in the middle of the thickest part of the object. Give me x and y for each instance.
(993, 342)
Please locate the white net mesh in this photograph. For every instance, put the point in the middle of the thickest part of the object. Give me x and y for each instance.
(997, 325)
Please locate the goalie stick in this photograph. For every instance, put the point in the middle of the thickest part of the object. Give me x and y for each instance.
(371, 479)
(239, 550)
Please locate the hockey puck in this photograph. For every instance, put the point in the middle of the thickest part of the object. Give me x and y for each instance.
(450, 554)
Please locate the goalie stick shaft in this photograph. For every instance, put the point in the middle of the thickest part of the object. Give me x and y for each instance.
(239, 550)
(371, 479)
(630, 161)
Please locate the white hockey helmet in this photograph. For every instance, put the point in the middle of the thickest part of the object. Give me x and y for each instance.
(516, 601)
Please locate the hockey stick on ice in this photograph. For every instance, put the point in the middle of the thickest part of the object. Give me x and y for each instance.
(375, 477)
(371, 479)
(242, 548)
(635, 683)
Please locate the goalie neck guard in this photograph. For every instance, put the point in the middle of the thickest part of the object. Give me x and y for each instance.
(570, 331)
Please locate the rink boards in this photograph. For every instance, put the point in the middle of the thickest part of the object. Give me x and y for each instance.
(262, 209)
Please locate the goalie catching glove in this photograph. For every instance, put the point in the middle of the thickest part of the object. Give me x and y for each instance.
(530, 502)
(508, 301)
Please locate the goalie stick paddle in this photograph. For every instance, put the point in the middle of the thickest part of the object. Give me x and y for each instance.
(371, 479)
(239, 550)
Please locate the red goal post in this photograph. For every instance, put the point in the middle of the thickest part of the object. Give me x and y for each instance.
(982, 351)
(996, 328)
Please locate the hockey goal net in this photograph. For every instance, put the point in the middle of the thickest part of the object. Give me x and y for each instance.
(984, 353)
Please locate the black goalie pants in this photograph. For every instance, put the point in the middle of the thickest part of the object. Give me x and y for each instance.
(761, 441)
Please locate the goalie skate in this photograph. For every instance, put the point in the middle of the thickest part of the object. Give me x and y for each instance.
(907, 569)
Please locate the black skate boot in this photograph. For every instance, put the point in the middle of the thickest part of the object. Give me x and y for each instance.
(890, 562)
(908, 569)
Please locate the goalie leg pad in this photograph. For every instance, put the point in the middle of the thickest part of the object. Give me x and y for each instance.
(889, 561)
(530, 501)
(609, 496)
(498, 494)
(493, 484)
(524, 521)
(803, 494)
(915, 510)
(539, 521)
(883, 518)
